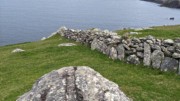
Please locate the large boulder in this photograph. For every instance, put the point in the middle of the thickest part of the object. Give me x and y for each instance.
(74, 84)
(156, 58)
(169, 64)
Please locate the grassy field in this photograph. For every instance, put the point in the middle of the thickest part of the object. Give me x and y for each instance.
(162, 32)
(18, 71)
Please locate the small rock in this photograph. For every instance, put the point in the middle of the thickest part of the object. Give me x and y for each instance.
(133, 59)
(177, 45)
(150, 37)
(176, 55)
(67, 44)
(171, 48)
(126, 47)
(168, 41)
(140, 55)
(149, 41)
(139, 49)
(155, 47)
(17, 50)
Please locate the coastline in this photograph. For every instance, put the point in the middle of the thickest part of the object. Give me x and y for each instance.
(167, 3)
(20, 70)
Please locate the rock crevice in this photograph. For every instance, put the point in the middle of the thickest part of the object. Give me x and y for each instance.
(74, 84)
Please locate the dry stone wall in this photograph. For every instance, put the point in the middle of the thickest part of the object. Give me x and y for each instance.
(160, 54)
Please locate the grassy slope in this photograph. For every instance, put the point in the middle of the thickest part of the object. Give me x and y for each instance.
(159, 32)
(20, 70)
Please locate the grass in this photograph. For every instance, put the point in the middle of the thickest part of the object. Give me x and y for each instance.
(162, 32)
(18, 71)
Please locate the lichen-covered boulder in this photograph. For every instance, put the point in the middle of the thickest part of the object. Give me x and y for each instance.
(169, 64)
(156, 58)
(74, 84)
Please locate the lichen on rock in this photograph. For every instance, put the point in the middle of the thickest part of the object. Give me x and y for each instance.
(74, 84)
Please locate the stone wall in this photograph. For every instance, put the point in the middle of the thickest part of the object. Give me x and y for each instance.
(151, 52)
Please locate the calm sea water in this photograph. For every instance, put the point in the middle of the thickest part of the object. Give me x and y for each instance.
(30, 20)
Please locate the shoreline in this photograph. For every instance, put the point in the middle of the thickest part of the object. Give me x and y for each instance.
(128, 28)
(166, 3)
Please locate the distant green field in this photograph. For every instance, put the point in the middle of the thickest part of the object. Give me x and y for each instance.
(18, 71)
(163, 32)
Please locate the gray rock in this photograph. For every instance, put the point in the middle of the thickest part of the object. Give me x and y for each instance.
(155, 47)
(176, 55)
(129, 52)
(74, 84)
(171, 48)
(166, 52)
(156, 58)
(149, 41)
(113, 53)
(139, 49)
(133, 59)
(136, 40)
(120, 52)
(169, 64)
(62, 30)
(126, 47)
(177, 45)
(150, 37)
(168, 41)
(141, 45)
(140, 55)
(94, 44)
(177, 40)
(147, 55)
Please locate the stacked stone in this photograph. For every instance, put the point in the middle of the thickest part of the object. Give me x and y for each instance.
(156, 53)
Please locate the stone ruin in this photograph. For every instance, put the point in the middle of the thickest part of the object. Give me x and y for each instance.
(74, 84)
(150, 51)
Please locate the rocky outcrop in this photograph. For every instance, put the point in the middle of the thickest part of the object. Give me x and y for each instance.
(167, 3)
(146, 50)
(74, 84)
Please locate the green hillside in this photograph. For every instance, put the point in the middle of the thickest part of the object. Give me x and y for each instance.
(18, 71)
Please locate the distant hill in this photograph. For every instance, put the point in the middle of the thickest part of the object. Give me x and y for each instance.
(167, 3)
